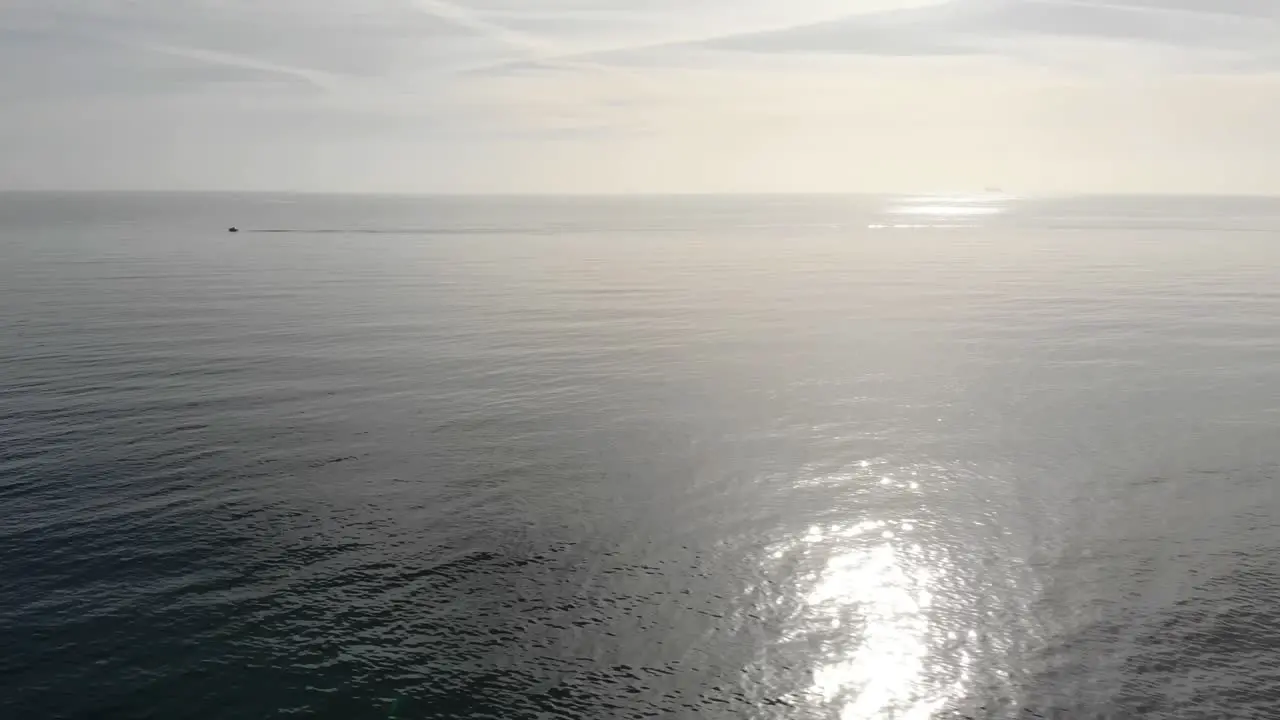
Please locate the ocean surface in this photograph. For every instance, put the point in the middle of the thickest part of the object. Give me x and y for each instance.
(770, 457)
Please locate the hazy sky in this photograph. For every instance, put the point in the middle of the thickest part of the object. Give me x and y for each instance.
(641, 95)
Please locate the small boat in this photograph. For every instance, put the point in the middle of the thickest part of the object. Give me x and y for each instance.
(233, 228)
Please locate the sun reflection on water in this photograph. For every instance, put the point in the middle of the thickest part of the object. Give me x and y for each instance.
(875, 595)
(943, 211)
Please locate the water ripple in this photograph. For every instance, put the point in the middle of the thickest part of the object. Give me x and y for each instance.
(636, 458)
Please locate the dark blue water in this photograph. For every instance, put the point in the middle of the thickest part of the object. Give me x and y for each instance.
(625, 458)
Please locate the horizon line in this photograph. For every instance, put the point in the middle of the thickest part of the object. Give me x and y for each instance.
(644, 194)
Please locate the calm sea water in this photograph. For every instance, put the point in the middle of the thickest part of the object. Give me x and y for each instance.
(688, 458)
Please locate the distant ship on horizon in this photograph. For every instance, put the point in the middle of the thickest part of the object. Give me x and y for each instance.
(994, 193)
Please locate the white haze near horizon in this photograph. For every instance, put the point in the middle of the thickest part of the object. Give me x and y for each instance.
(619, 96)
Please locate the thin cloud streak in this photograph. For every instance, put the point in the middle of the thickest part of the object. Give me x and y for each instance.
(992, 26)
(317, 79)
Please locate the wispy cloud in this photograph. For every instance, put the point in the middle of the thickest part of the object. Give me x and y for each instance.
(474, 21)
(318, 79)
(994, 26)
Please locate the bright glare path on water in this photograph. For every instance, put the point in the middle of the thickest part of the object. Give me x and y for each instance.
(886, 673)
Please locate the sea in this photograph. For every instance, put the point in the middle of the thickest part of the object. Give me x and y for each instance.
(775, 457)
